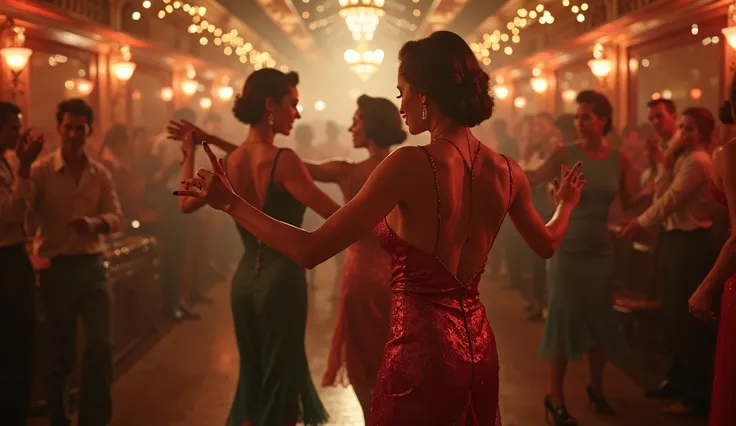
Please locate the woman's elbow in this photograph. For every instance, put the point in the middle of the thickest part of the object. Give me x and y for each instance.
(307, 256)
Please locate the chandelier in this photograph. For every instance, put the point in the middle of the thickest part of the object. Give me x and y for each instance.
(364, 64)
(362, 17)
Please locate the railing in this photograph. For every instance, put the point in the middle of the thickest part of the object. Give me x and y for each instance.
(94, 10)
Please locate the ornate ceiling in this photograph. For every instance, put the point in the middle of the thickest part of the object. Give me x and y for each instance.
(313, 29)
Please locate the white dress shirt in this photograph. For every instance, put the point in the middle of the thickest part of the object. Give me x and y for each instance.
(54, 200)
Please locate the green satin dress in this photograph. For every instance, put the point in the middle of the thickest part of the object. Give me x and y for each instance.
(269, 304)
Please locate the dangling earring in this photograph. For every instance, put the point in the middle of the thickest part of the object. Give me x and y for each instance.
(424, 112)
(270, 120)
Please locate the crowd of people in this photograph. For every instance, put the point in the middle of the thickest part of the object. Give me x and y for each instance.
(416, 227)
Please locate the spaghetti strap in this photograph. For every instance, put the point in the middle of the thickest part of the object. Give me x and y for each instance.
(437, 190)
(273, 166)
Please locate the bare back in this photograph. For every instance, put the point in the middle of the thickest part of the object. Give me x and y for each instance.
(464, 241)
(249, 171)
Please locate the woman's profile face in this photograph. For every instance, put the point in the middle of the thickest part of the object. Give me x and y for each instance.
(357, 129)
(411, 107)
(284, 112)
(689, 131)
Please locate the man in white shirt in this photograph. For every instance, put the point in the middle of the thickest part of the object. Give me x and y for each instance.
(73, 200)
(17, 279)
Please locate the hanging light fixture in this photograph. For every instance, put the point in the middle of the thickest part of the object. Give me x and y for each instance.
(123, 69)
(539, 84)
(364, 64)
(501, 91)
(362, 17)
(15, 55)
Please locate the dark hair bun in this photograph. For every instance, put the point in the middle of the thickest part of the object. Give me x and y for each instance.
(443, 67)
(250, 105)
(382, 121)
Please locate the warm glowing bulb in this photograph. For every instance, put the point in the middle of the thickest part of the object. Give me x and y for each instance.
(569, 95)
(225, 93)
(167, 94)
(146, 4)
(84, 87)
(600, 67)
(696, 93)
(501, 92)
(16, 58)
(320, 105)
(519, 102)
(205, 103)
(730, 34)
(539, 84)
(123, 70)
(189, 87)
(136, 15)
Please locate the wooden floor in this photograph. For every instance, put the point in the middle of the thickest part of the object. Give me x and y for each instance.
(188, 377)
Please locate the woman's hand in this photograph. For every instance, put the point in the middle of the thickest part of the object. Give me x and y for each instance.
(212, 186)
(566, 188)
(182, 129)
(700, 305)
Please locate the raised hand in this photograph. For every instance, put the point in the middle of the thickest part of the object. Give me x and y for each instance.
(700, 304)
(212, 186)
(181, 130)
(28, 148)
(566, 188)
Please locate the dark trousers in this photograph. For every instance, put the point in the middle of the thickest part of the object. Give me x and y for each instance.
(684, 259)
(76, 286)
(17, 333)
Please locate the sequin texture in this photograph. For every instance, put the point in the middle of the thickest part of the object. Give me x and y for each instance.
(440, 365)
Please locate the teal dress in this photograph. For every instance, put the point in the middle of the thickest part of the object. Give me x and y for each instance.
(269, 304)
(580, 275)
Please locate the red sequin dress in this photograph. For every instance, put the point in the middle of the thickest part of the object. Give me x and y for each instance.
(723, 400)
(440, 366)
(362, 314)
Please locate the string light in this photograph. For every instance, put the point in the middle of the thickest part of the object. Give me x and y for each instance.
(230, 39)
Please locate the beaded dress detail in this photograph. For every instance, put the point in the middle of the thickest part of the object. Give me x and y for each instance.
(440, 366)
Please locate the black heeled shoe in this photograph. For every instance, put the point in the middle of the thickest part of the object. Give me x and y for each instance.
(560, 416)
(598, 403)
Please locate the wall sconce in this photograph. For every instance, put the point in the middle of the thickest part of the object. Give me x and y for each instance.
(519, 102)
(167, 94)
(189, 87)
(730, 34)
(123, 71)
(225, 93)
(81, 86)
(15, 55)
(539, 84)
(205, 103)
(600, 67)
(569, 95)
(501, 91)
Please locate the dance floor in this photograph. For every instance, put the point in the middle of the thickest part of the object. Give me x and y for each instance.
(188, 377)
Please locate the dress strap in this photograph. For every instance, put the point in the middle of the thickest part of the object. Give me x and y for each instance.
(273, 166)
(437, 190)
(511, 182)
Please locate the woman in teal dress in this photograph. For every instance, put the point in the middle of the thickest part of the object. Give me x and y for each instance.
(269, 291)
(580, 316)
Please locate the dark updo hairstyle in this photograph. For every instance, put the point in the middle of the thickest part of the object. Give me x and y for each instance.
(601, 106)
(382, 121)
(250, 105)
(704, 121)
(443, 67)
(728, 109)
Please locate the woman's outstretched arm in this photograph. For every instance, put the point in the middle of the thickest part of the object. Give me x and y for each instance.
(543, 238)
(380, 194)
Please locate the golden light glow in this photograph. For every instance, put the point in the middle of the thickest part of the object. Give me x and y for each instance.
(362, 16)
(600, 67)
(696, 93)
(167, 94)
(205, 103)
(319, 106)
(730, 34)
(569, 95)
(123, 70)
(539, 84)
(501, 91)
(519, 102)
(189, 87)
(83, 86)
(16, 58)
(365, 63)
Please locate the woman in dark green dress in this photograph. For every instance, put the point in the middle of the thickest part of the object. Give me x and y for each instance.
(269, 291)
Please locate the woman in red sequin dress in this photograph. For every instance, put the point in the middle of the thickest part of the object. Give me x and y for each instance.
(438, 208)
(723, 399)
(365, 291)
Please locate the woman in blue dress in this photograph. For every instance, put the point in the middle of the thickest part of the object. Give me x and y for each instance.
(580, 319)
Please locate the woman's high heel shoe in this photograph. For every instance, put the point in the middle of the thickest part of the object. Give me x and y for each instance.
(598, 403)
(560, 416)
